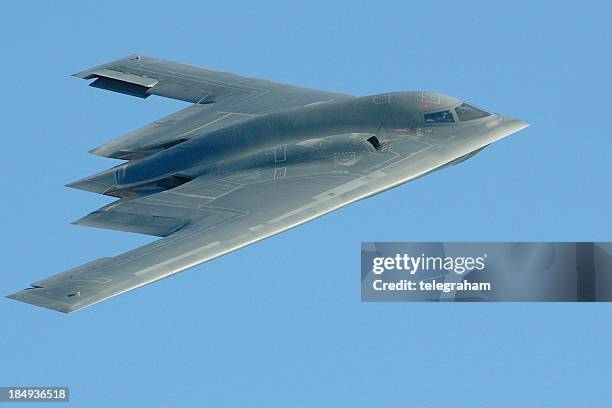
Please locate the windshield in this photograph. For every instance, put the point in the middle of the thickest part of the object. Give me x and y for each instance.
(439, 117)
(469, 112)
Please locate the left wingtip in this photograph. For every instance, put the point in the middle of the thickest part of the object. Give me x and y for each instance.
(27, 296)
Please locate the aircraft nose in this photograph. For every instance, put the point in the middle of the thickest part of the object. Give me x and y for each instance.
(507, 122)
(515, 123)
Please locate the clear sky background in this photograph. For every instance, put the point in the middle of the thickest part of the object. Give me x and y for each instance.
(280, 323)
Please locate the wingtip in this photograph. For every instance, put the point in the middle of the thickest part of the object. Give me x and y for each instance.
(86, 74)
(25, 296)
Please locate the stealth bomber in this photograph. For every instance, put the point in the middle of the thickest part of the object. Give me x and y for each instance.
(247, 159)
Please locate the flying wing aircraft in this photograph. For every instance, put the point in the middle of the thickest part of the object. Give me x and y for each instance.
(247, 159)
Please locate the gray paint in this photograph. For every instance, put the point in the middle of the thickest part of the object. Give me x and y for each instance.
(249, 159)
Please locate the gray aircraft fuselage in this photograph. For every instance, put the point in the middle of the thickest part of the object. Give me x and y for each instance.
(248, 143)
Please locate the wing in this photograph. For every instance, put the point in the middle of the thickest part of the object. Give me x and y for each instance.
(220, 99)
(212, 216)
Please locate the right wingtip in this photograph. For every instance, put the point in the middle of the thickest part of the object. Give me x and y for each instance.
(87, 74)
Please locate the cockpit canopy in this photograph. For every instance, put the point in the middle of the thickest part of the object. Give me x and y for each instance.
(462, 113)
(467, 112)
(439, 117)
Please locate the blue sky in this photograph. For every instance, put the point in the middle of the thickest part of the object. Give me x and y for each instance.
(280, 323)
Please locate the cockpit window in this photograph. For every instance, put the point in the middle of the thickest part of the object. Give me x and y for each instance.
(439, 117)
(468, 112)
